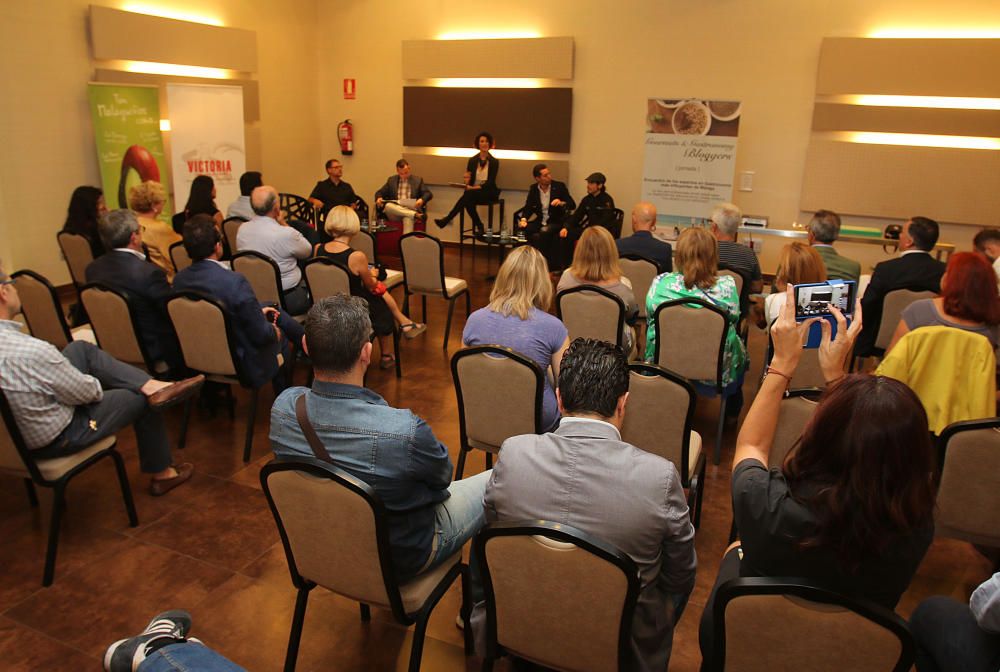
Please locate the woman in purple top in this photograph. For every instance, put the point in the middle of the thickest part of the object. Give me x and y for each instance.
(515, 318)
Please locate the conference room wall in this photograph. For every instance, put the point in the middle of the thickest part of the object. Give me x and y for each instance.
(45, 127)
(763, 53)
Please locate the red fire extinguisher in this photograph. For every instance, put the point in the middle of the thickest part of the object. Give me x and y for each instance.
(345, 131)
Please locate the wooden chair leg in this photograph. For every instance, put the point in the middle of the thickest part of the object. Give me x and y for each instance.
(718, 434)
(58, 500)
(466, 611)
(395, 348)
(366, 612)
(468, 304)
(406, 302)
(133, 519)
(251, 416)
(298, 620)
(32, 494)
(417, 649)
(460, 469)
(447, 325)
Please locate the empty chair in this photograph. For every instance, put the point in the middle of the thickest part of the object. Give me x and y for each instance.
(17, 460)
(499, 396)
(786, 625)
(179, 256)
(589, 311)
(556, 597)
(968, 499)
(43, 312)
(115, 327)
(78, 255)
(659, 419)
(423, 268)
(641, 272)
(263, 275)
(335, 532)
(796, 411)
(297, 207)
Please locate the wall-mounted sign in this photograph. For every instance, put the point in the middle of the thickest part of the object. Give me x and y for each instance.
(350, 89)
(690, 155)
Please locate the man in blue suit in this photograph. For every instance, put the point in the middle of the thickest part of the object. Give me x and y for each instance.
(259, 331)
(125, 269)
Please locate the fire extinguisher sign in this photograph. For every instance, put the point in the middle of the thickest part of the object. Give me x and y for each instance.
(350, 89)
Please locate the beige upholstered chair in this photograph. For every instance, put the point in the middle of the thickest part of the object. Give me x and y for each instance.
(205, 335)
(230, 227)
(691, 342)
(556, 597)
(335, 531)
(893, 305)
(968, 500)
(115, 326)
(262, 274)
(423, 268)
(43, 312)
(17, 460)
(589, 311)
(641, 272)
(658, 419)
(786, 625)
(179, 256)
(795, 412)
(737, 278)
(76, 250)
(808, 373)
(366, 243)
(499, 396)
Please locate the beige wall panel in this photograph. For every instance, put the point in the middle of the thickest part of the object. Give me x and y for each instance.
(957, 185)
(836, 117)
(251, 88)
(910, 67)
(515, 174)
(540, 58)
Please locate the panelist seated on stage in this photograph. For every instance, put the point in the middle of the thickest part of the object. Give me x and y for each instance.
(404, 196)
(597, 207)
(480, 184)
(333, 191)
(545, 209)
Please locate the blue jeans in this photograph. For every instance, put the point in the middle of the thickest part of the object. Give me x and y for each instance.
(187, 657)
(458, 518)
(950, 640)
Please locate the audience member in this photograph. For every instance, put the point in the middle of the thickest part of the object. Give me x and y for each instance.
(342, 224)
(798, 263)
(822, 230)
(852, 506)
(124, 268)
(257, 329)
(969, 300)
(915, 269)
(596, 208)
(404, 196)
(481, 187)
(987, 242)
(585, 476)
(726, 219)
(201, 201)
(954, 637)
(64, 402)
(333, 191)
(147, 200)
(642, 242)
(390, 449)
(241, 208)
(595, 262)
(517, 318)
(86, 207)
(165, 647)
(545, 209)
(697, 277)
(268, 234)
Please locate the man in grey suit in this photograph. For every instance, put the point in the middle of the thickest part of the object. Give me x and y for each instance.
(404, 195)
(585, 476)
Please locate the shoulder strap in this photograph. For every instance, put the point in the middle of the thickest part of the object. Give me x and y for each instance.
(302, 415)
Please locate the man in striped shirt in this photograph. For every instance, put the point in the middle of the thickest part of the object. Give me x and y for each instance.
(64, 402)
(726, 219)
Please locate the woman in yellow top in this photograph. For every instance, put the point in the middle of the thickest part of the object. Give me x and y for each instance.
(147, 201)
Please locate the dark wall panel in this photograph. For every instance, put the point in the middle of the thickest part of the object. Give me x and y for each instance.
(526, 119)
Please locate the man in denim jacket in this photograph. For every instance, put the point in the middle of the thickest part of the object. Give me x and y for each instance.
(388, 448)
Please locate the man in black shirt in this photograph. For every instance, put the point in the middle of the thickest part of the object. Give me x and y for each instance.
(333, 190)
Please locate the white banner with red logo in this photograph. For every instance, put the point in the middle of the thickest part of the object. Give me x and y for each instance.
(206, 138)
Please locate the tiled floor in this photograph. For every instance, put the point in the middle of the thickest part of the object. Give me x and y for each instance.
(211, 546)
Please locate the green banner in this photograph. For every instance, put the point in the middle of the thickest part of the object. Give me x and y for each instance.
(129, 144)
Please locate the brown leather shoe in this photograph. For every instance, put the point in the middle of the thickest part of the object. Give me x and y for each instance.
(161, 486)
(176, 392)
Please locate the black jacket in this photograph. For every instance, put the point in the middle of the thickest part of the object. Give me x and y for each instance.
(489, 188)
(533, 204)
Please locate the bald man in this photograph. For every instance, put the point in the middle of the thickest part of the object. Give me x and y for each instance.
(642, 242)
(268, 234)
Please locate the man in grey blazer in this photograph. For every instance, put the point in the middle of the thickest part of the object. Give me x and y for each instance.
(585, 476)
(407, 196)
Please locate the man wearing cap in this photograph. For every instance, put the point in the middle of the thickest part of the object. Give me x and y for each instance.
(597, 207)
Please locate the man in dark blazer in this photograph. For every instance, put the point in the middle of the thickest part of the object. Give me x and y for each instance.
(125, 268)
(404, 186)
(544, 211)
(258, 338)
(642, 242)
(915, 269)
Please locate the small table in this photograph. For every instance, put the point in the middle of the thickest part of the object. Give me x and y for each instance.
(501, 240)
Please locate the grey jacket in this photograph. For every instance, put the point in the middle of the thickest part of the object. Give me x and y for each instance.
(585, 476)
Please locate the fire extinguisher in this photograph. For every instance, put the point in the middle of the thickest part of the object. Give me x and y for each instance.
(345, 131)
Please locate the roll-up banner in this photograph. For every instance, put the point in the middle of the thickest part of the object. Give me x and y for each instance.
(690, 155)
(206, 138)
(129, 144)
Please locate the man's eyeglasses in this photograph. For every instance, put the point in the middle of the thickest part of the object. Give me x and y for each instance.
(7, 282)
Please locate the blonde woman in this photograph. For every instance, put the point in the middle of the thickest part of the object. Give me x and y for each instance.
(516, 318)
(147, 200)
(595, 262)
(696, 259)
(799, 263)
(342, 224)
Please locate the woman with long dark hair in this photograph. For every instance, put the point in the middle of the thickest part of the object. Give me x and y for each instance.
(201, 201)
(852, 505)
(86, 207)
(480, 184)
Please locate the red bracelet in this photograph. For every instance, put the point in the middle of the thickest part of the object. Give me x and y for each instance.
(773, 370)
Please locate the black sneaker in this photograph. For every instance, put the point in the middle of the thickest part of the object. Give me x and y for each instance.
(125, 655)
